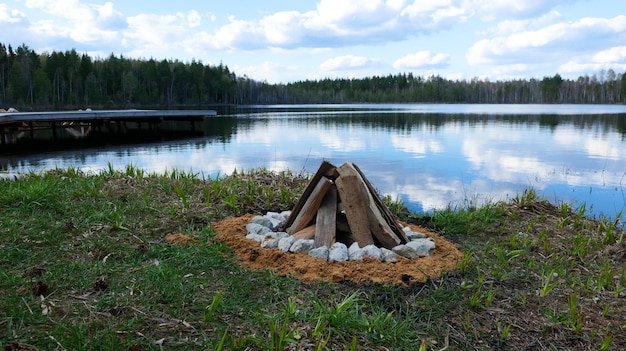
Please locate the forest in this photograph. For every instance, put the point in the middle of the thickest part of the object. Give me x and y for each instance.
(57, 80)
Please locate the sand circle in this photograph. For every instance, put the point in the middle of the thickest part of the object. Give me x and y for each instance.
(232, 231)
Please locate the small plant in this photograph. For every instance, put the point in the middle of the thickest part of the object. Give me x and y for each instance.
(110, 171)
(344, 314)
(466, 263)
(279, 334)
(210, 311)
(605, 279)
(620, 284)
(504, 331)
(396, 206)
(549, 281)
(134, 171)
(183, 197)
(521, 298)
(232, 203)
(575, 316)
(118, 219)
(581, 244)
(482, 297)
(606, 343)
(220, 346)
(565, 208)
(544, 240)
(609, 228)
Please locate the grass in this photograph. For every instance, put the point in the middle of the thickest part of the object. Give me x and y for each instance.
(85, 266)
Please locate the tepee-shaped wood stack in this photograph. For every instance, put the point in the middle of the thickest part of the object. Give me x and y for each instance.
(340, 204)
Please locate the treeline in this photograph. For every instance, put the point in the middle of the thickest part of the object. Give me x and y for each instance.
(606, 87)
(68, 80)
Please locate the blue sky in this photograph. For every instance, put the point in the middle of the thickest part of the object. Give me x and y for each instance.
(284, 41)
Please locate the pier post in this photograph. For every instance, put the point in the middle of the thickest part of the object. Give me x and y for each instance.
(54, 130)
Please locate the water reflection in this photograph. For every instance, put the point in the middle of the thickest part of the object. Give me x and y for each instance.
(428, 160)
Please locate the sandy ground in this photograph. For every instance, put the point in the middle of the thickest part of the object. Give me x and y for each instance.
(232, 231)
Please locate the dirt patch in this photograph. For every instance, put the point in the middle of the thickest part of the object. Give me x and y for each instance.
(181, 239)
(232, 232)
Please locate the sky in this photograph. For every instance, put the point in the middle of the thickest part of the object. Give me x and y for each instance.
(281, 41)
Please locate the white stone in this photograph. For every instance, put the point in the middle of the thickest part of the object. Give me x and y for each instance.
(261, 220)
(255, 228)
(338, 252)
(280, 235)
(415, 235)
(388, 256)
(271, 239)
(256, 237)
(405, 251)
(372, 251)
(302, 245)
(275, 219)
(320, 252)
(423, 247)
(355, 253)
(269, 243)
(285, 243)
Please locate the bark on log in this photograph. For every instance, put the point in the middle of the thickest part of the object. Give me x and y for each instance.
(327, 170)
(307, 233)
(326, 222)
(375, 220)
(310, 207)
(385, 211)
(348, 187)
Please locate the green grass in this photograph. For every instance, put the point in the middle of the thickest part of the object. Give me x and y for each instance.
(84, 265)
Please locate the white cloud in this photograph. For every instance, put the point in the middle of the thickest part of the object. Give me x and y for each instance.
(194, 19)
(614, 54)
(168, 35)
(109, 18)
(10, 15)
(422, 59)
(82, 23)
(578, 68)
(549, 42)
(348, 62)
(270, 72)
(492, 9)
(336, 23)
(512, 26)
(436, 14)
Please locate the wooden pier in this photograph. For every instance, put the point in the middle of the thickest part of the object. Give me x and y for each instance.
(15, 125)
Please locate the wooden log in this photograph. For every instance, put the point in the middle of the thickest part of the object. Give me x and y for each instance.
(311, 205)
(348, 187)
(393, 224)
(307, 233)
(326, 222)
(375, 220)
(327, 170)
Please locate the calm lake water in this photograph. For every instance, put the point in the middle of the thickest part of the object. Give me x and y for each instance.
(429, 156)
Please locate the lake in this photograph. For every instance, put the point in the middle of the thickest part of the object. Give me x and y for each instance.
(427, 155)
